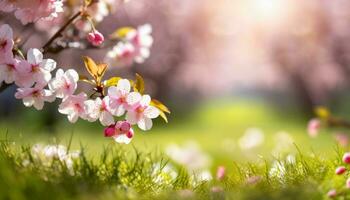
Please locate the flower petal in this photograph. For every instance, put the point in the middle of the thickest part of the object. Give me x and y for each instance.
(145, 124)
(151, 112)
(34, 56)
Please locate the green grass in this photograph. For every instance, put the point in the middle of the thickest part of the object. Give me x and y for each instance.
(124, 174)
(123, 171)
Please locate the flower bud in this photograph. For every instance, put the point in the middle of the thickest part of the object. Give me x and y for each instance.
(340, 170)
(110, 131)
(221, 172)
(130, 134)
(346, 158)
(95, 38)
(125, 126)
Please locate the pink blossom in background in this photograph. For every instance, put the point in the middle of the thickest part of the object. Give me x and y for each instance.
(9, 70)
(342, 139)
(221, 173)
(313, 127)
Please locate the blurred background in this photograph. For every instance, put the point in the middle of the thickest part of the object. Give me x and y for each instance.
(241, 77)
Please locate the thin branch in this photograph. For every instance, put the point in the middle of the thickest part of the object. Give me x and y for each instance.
(59, 32)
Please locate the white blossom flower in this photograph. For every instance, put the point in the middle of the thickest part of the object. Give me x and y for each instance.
(35, 69)
(35, 96)
(141, 113)
(99, 109)
(65, 83)
(118, 96)
(74, 107)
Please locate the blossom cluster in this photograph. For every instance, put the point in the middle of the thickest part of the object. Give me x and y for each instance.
(32, 10)
(36, 85)
(134, 46)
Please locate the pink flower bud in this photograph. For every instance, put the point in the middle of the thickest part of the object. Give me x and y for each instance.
(95, 38)
(130, 134)
(125, 126)
(110, 131)
(221, 172)
(340, 170)
(346, 158)
(313, 127)
(332, 193)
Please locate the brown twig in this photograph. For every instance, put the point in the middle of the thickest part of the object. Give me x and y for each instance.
(59, 32)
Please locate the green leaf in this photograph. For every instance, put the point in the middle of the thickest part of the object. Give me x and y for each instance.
(112, 81)
(121, 32)
(139, 84)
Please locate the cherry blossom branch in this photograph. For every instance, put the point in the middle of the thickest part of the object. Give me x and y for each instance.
(338, 122)
(59, 32)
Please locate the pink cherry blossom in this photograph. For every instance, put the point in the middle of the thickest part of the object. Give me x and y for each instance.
(340, 170)
(313, 127)
(346, 158)
(35, 96)
(121, 55)
(74, 107)
(221, 173)
(118, 96)
(35, 69)
(342, 139)
(8, 70)
(7, 5)
(6, 43)
(65, 83)
(142, 112)
(95, 38)
(99, 109)
(33, 10)
(142, 41)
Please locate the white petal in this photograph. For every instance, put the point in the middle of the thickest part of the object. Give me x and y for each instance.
(106, 118)
(124, 85)
(38, 104)
(131, 117)
(73, 117)
(48, 64)
(145, 124)
(146, 99)
(122, 139)
(72, 74)
(28, 101)
(119, 111)
(6, 32)
(133, 98)
(34, 56)
(151, 112)
(113, 92)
